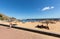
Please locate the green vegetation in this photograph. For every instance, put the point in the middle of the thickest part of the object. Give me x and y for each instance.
(3, 17)
(6, 18)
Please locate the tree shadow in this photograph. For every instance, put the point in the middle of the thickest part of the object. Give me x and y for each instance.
(42, 26)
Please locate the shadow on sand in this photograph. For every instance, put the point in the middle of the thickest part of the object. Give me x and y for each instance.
(42, 26)
(36, 31)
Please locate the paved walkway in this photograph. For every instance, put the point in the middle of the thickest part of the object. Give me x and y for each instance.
(6, 33)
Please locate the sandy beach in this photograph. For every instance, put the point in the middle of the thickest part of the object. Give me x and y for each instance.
(29, 19)
(6, 33)
(52, 27)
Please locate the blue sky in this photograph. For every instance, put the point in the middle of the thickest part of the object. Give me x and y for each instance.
(25, 9)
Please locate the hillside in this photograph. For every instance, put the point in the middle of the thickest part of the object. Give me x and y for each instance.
(7, 18)
(4, 17)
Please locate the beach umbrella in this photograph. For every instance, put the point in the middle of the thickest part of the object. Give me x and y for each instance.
(47, 22)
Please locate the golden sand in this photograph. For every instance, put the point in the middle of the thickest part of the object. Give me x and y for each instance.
(52, 27)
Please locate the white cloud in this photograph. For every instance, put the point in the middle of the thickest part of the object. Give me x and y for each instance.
(47, 8)
(52, 7)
